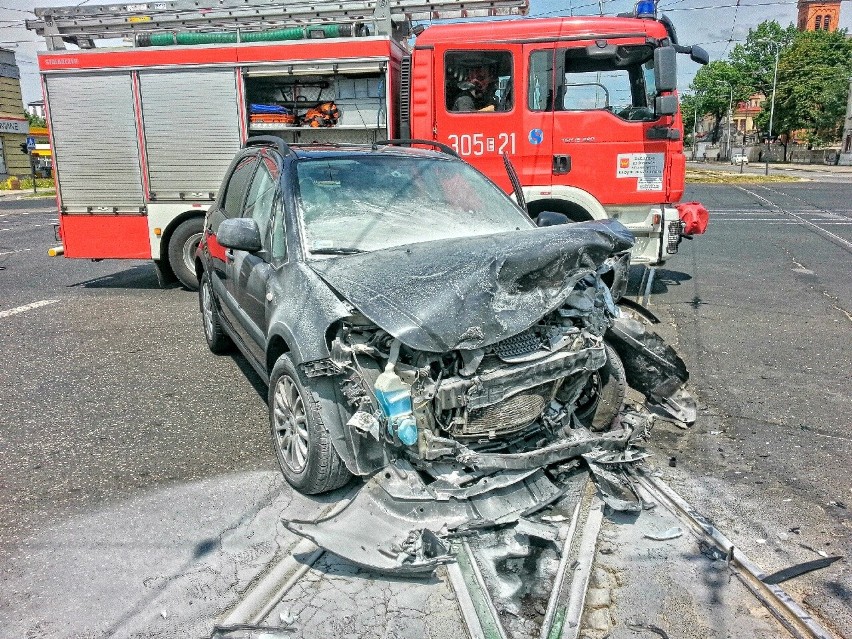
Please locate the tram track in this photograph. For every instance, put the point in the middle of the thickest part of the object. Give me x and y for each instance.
(483, 615)
(811, 226)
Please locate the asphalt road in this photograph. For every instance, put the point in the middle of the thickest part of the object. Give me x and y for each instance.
(761, 310)
(138, 485)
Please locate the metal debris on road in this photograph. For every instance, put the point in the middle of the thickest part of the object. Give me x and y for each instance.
(671, 533)
(799, 569)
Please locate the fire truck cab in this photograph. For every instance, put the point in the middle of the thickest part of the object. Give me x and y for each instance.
(584, 107)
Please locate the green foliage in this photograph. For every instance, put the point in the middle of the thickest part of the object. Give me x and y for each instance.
(813, 85)
(812, 82)
(755, 58)
(34, 120)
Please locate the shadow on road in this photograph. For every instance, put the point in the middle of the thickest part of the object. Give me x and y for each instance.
(142, 277)
(663, 279)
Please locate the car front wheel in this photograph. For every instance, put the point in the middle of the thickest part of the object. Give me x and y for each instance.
(303, 446)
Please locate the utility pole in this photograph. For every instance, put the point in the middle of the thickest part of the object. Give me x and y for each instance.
(730, 116)
(694, 130)
(772, 105)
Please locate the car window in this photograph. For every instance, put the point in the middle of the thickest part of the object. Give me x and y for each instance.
(261, 196)
(237, 184)
(366, 203)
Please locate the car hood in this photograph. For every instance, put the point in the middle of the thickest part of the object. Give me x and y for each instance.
(467, 293)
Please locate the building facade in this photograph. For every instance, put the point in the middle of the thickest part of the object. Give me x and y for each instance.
(13, 121)
(818, 15)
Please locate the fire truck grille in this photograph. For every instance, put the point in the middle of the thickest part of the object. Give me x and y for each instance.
(508, 416)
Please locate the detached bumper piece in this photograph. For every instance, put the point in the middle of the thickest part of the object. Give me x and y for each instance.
(399, 523)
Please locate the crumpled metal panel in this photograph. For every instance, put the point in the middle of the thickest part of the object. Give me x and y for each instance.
(469, 293)
(395, 524)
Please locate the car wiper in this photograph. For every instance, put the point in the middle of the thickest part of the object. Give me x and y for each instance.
(337, 250)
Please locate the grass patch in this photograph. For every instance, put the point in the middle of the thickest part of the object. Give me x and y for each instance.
(694, 176)
(41, 193)
(26, 184)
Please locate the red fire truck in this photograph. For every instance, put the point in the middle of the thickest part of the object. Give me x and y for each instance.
(584, 107)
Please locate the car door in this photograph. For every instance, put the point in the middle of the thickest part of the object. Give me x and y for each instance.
(251, 271)
(220, 259)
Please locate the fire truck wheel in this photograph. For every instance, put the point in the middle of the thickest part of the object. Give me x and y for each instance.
(217, 339)
(182, 244)
(301, 439)
(603, 396)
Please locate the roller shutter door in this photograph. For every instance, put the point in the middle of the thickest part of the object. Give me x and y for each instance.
(191, 129)
(97, 150)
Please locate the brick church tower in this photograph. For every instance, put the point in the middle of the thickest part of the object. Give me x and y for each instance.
(818, 15)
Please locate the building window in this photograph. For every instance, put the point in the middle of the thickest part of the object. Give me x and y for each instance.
(818, 23)
(826, 22)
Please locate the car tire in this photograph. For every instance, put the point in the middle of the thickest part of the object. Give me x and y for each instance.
(181, 250)
(302, 442)
(218, 341)
(603, 396)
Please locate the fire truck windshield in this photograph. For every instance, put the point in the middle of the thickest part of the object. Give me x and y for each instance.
(621, 83)
(371, 202)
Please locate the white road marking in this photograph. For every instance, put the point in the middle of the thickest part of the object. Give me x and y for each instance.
(18, 251)
(26, 307)
(24, 228)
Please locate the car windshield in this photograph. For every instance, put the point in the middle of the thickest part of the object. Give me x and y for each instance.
(367, 203)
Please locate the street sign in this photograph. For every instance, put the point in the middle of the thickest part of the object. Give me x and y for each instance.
(31, 143)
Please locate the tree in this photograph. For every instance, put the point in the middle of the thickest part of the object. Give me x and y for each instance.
(712, 87)
(813, 84)
(755, 58)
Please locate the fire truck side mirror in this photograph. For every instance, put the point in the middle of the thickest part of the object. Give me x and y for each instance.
(699, 55)
(665, 69)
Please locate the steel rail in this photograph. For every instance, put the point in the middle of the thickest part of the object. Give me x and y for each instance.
(811, 226)
(790, 614)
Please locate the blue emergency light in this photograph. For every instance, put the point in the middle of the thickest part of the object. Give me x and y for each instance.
(645, 9)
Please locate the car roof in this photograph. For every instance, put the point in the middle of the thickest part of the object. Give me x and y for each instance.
(326, 151)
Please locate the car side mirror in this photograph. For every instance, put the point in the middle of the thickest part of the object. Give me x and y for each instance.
(240, 234)
(551, 218)
(665, 69)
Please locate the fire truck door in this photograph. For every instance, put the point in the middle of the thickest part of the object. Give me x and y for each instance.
(476, 106)
(603, 113)
(535, 137)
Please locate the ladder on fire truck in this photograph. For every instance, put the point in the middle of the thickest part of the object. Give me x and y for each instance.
(82, 25)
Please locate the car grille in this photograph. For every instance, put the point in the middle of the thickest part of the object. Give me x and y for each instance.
(508, 416)
(519, 345)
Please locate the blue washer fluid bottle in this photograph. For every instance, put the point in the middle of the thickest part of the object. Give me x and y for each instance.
(394, 397)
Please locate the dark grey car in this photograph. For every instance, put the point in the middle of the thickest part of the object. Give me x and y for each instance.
(402, 307)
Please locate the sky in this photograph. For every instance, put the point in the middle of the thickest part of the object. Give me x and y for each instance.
(717, 25)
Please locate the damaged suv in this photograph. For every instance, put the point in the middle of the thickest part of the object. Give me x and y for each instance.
(410, 318)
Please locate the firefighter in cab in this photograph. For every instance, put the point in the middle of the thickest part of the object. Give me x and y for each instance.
(478, 90)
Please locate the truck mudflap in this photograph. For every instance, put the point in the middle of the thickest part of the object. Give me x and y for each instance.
(403, 520)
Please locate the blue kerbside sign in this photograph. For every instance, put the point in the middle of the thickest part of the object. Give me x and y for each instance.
(31, 143)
